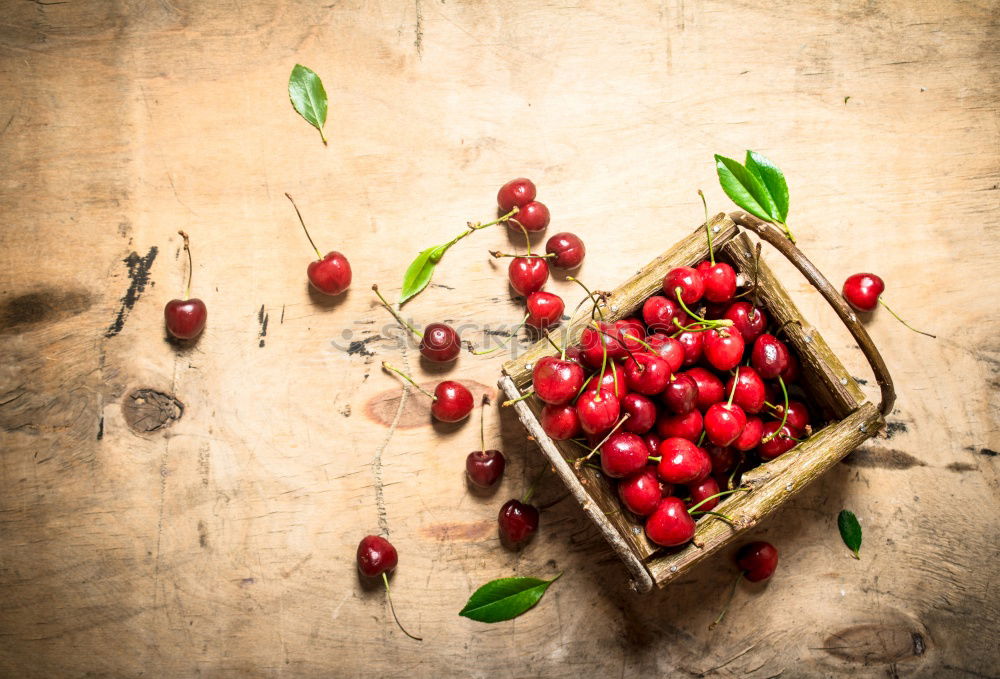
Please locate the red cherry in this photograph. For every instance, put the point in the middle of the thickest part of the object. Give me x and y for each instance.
(724, 423)
(681, 461)
(792, 370)
(751, 435)
(598, 410)
(376, 556)
(594, 342)
(544, 310)
(440, 343)
(723, 348)
(452, 401)
(757, 560)
(641, 411)
(748, 319)
(681, 394)
(556, 380)
(687, 426)
(485, 467)
(693, 342)
(516, 192)
(702, 490)
(567, 248)
(630, 332)
(623, 454)
(641, 492)
(560, 422)
(659, 314)
(719, 279)
(185, 318)
(670, 525)
(527, 274)
(612, 379)
(769, 356)
(667, 348)
(782, 442)
(652, 440)
(862, 291)
(330, 275)
(710, 389)
(723, 459)
(688, 280)
(750, 392)
(533, 216)
(646, 373)
(798, 417)
(518, 522)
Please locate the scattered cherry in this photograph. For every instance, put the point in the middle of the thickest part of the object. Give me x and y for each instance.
(485, 467)
(515, 193)
(545, 309)
(440, 343)
(533, 216)
(518, 522)
(757, 560)
(450, 402)
(568, 250)
(185, 318)
(330, 273)
(527, 274)
(862, 291)
(377, 557)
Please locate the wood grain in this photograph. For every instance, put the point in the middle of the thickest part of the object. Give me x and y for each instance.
(222, 544)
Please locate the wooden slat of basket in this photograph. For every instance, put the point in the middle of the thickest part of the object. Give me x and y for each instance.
(771, 487)
(828, 379)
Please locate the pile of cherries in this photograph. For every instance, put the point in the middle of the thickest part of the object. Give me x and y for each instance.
(677, 400)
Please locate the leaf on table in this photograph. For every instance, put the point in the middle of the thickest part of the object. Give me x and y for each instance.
(850, 531)
(773, 179)
(420, 271)
(305, 89)
(505, 598)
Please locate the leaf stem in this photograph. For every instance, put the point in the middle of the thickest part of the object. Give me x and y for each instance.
(880, 301)
(187, 249)
(388, 366)
(395, 315)
(392, 608)
(784, 413)
(708, 231)
(319, 255)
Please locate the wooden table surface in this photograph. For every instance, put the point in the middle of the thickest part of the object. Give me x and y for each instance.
(194, 511)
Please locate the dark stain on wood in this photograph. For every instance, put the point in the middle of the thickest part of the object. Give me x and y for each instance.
(202, 535)
(100, 428)
(961, 467)
(382, 407)
(882, 457)
(360, 347)
(456, 531)
(262, 318)
(894, 427)
(138, 274)
(148, 410)
(41, 306)
(872, 644)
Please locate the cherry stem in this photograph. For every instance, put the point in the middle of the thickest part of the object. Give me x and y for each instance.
(527, 238)
(732, 474)
(507, 404)
(594, 298)
(729, 600)
(584, 385)
(497, 254)
(319, 255)
(482, 419)
(593, 450)
(512, 337)
(654, 458)
(701, 438)
(723, 323)
(473, 227)
(719, 494)
(187, 249)
(732, 392)
(708, 231)
(727, 519)
(562, 352)
(880, 301)
(604, 363)
(642, 368)
(388, 595)
(409, 379)
(534, 485)
(394, 313)
(784, 413)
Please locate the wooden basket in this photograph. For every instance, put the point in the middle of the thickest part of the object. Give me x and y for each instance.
(851, 419)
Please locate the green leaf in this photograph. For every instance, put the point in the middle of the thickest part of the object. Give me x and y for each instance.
(505, 598)
(305, 89)
(773, 180)
(419, 273)
(744, 188)
(850, 531)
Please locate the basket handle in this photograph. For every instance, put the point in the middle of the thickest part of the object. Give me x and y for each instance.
(780, 242)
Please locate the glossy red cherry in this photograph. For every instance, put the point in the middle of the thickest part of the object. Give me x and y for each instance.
(681, 394)
(594, 342)
(705, 488)
(185, 318)
(612, 379)
(792, 370)
(646, 373)
(750, 391)
(681, 461)
(719, 280)
(641, 492)
(485, 467)
(376, 556)
(556, 380)
(862, 291)
(667, 348)
(623, 454)
(757, 560)
(517, 192)
(518, 522)
(527, 274)
(751, 435)
(567, 248)
(598, 410)
(693, 343)
(769, 356)
(798, 417)
(330, 275)
(440, 343)
(544, 309)
(660, 312)
(724, 423)
(533, 216)
(710, 389)
(782, 442)
(688, 280)
(631, 333)
(452, 401)
(652, 440)
(560, 422)
(641, 412)
(723, 459)
(748, 319)
(670, 525)
(687, 426)
(723, 348)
